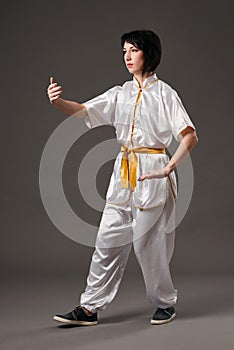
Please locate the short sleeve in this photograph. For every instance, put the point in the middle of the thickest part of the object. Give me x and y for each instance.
(100, 110)
(177, 114)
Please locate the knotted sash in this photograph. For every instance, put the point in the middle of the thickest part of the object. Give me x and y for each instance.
(129, 161)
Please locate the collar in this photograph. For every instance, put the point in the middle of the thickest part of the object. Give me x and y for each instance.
(146, 82)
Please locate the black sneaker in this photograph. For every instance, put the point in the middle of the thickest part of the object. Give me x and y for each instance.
(77, 317)
(162, 316)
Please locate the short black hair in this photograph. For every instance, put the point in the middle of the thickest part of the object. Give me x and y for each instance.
(149, 43)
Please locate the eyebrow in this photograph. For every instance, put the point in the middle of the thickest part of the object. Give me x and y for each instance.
(124, 48)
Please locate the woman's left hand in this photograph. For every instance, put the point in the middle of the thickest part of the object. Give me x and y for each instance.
(155, 174)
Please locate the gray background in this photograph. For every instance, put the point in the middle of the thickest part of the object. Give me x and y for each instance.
(43, 272)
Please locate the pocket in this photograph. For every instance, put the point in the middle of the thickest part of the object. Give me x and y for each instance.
(150, 193)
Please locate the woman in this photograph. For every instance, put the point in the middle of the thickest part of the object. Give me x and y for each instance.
(146, 113)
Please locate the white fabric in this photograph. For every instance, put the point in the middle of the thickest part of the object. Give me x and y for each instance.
(159, 116)
(153, 248)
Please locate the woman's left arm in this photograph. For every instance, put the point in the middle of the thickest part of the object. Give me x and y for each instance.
(188, 140)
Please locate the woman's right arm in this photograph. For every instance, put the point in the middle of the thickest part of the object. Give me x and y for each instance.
(65, 106)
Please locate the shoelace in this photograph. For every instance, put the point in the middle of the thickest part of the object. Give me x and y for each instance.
(76, 312)
(167, 311)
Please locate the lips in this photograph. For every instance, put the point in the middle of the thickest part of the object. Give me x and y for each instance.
(129, 65)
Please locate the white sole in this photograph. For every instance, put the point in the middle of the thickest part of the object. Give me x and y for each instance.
(163, 321)
(81, 323)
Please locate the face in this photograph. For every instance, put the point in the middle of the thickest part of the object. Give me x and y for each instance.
(133, 58)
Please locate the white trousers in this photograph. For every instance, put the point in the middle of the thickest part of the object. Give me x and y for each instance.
(122, 227)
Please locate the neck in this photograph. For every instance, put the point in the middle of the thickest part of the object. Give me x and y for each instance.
(141, 77)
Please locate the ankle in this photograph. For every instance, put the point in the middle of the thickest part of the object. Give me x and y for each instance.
(89, 313)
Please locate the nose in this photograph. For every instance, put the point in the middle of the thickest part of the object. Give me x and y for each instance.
(128, 56)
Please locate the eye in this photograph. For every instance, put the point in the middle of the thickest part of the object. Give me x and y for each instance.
(135, 50)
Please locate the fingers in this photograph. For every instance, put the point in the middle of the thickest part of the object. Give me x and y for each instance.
(141, 178)
(54, 96)
(54, 88)
(52, 84)
(152, 175)
(149, 175)
(54, 91)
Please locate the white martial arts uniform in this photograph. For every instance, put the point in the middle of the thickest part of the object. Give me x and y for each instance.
(147, 116)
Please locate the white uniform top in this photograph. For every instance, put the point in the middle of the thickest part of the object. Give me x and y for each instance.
(149, 121)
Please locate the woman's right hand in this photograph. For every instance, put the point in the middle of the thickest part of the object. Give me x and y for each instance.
(53, 91)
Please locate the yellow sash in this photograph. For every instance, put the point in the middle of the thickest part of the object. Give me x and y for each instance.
(129, 164)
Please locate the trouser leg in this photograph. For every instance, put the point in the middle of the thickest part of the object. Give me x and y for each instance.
(113, 245)
(154, 250)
